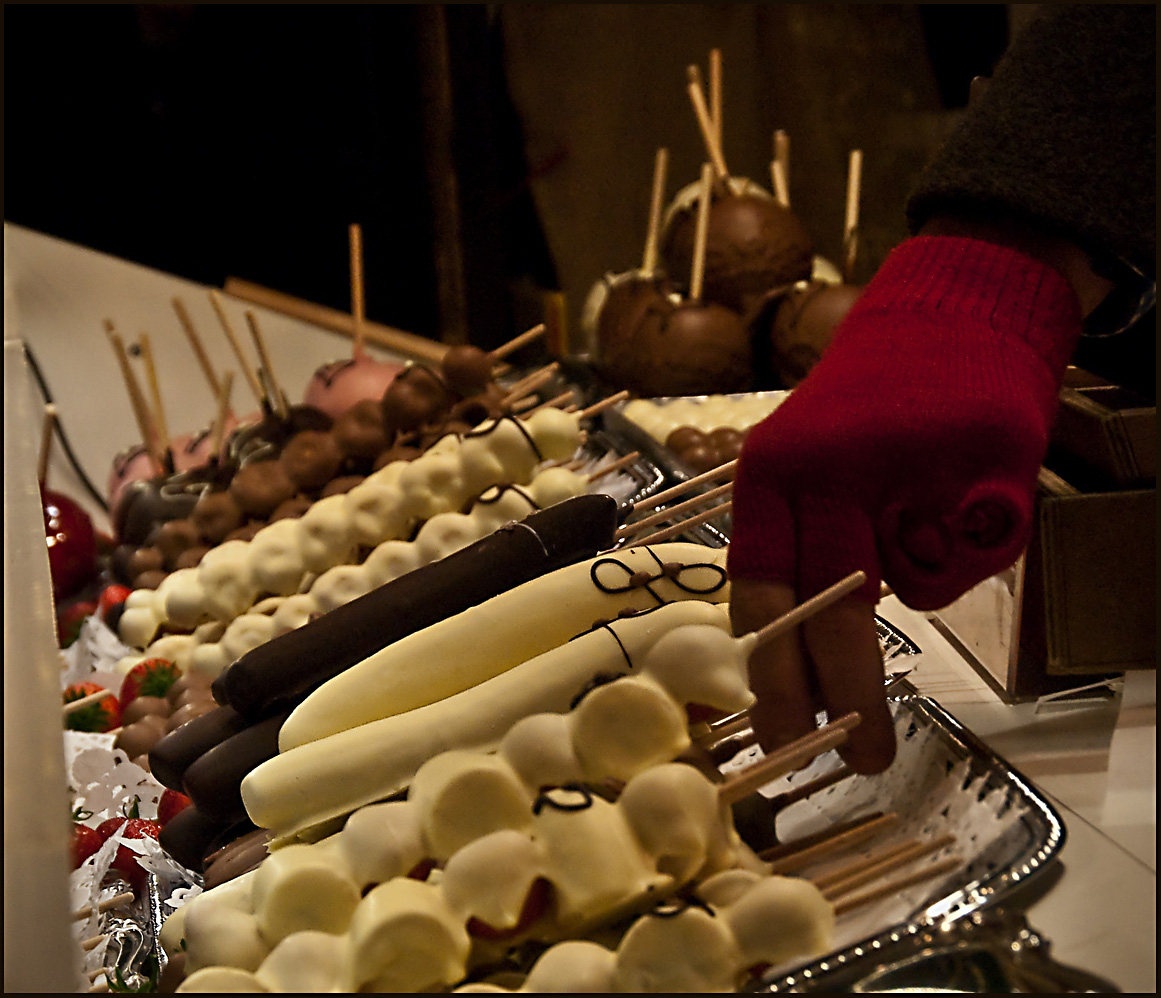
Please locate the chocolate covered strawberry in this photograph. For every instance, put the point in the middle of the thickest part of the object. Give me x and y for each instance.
(151, 678)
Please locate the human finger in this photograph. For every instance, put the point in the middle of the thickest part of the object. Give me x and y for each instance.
(842, 645)
(786, 704)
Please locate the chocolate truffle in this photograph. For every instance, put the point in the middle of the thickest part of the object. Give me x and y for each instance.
(215, 515)
(359, 432)
(417, 397)
(259, 488)
(466, 369)
(311, 459)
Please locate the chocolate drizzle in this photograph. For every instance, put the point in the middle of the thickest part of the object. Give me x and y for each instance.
(599, 680)
(665, 570)
(547, 798)
(672, 907)
(484, 431)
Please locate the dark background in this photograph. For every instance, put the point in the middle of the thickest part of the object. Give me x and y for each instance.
(217, 140)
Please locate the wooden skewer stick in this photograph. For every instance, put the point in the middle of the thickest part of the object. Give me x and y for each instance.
(781, 187)
(657, 197)
(787, 759)
(47, 428)
(223, 413)
(555, 403)
(530, 382)
(125, 897)
(677, 528)
(358, 299)
(900, 883)
(517, 342)
(811, 606)
(94, 974)
(337, 320)
(790, 857)
(622, 462)
(603, 404)
(275, 394)
(705, 476)
(136, 398)
(199, 349)
(74, 705)
(524, 404)
(715, 93)
(99, 988)
(701, 234)
(851, 225)
(94, 942)
(227, 327)
(780, 167)
(882, 861)
(667, 514)
(705, 122)
(155, 391)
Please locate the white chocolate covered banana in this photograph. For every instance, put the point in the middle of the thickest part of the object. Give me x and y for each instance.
(328, 778)
(494, 636)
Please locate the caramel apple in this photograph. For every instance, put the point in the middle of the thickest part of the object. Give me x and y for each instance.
(753, 243)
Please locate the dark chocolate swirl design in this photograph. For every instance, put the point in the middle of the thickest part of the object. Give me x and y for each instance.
(582, 798)
(604, 573)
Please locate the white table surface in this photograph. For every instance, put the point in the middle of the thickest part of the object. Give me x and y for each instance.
(1095, 761)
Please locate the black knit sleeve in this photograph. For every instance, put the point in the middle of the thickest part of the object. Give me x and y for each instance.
(1064, 136)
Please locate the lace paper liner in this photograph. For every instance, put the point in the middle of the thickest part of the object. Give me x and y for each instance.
(91, 657)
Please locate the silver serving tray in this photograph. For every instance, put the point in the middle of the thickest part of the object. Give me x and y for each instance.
(991, 874)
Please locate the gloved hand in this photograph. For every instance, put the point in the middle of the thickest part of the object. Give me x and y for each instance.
(911, 452)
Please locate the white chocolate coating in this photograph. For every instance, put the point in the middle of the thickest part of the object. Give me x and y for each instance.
(624, 727)
(489, 879)
(303, 887)
(487, 640)
(462, 795)
(691, 951)
(332, 776)
(539, 748)
(386, 505)
(405, 937)
(221, 980)
(382, 841)
(308, 962)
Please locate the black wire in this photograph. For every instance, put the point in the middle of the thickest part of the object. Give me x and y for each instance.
(60, 432)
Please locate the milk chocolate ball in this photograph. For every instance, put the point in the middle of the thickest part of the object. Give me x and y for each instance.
(416, 397)
(359, 432)
(259, 488)
(466, 369)
(215, 515)
(311, 459)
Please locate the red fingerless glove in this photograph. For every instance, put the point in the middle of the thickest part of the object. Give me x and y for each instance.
(911, 450)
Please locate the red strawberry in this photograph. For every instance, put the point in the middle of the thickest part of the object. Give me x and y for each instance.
(69, 619)
(172, 803)
(126, 860)
(151, 678)
(112, 595)
(85, 842)
(102, 715)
